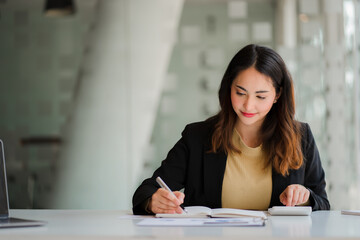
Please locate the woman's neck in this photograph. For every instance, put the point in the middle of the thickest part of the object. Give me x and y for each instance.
(249, 134)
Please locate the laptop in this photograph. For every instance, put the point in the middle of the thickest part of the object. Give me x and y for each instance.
(5, 220)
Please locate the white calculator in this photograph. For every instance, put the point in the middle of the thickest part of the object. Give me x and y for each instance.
(290, 211)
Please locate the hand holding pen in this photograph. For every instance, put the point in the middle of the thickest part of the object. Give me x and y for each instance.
(166, 201)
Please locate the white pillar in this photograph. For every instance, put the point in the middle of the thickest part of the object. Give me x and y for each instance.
(116, 103)
(286, 23)
(338, 148)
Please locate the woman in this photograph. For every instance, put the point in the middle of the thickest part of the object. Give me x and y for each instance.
(252, 155)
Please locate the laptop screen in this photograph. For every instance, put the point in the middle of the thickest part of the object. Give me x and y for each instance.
(4, 208)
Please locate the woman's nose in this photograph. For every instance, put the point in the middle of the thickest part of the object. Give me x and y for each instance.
(248, 104)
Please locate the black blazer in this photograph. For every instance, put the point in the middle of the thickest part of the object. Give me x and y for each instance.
(191, 166)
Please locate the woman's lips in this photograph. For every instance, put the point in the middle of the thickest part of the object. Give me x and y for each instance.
(249, 115)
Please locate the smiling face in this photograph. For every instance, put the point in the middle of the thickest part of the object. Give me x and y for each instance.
(252, 96)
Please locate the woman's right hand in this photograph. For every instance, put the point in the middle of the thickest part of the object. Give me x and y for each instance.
(162, 201)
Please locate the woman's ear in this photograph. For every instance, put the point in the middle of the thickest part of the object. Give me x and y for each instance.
(278, 95)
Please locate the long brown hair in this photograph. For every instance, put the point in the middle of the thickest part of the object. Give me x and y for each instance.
(280, 132)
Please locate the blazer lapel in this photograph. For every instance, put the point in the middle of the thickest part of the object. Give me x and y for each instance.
(214, 169)
(279, 183)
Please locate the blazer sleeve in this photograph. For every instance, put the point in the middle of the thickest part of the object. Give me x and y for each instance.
(172, 170)
(314, 173)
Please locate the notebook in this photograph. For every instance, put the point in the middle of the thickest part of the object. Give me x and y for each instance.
(204, 212)
(5, 220)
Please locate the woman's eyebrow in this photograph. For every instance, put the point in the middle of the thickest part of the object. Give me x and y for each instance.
(241, 88)
(261, 91)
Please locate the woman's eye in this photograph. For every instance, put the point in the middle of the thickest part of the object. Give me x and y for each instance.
(240, 94)
(260, 97)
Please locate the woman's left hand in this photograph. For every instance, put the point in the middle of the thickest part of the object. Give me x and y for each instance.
(294, 194)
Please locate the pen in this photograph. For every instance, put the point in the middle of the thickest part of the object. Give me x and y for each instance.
(163, 185)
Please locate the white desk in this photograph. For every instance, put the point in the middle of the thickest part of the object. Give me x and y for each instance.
(90, 224)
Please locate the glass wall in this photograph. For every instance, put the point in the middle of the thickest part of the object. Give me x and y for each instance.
(209, 35)
(319, 42)
(164, 81)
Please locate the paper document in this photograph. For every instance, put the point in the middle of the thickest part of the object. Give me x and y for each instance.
(201, 222)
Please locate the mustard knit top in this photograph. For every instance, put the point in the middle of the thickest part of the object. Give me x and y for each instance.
(247, 183)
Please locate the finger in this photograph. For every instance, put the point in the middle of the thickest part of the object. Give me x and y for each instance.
(302, 196)
(172, 203)
(283, 198)
(159, 209)
(296, 195)
(180, 196)
(172, 197)
(163, 206)
(289, 196)
(306, 196)
(160, 198)
(169, 197)
(167, 203)
(179, 210)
